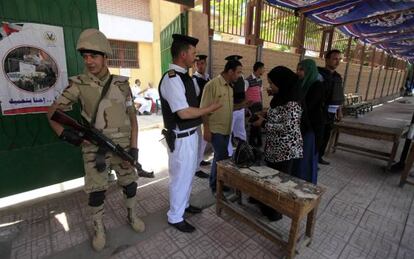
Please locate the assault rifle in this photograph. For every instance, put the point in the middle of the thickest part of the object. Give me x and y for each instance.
(94, 136)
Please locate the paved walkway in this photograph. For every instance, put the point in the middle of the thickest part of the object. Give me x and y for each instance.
(363, 214)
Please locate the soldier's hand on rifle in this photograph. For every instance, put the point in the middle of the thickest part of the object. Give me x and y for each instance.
(134, 153)
(71, 136)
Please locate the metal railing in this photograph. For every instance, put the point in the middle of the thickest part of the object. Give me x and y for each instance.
(313, 36)
(228, 16)
(124, 54)
(278, 25)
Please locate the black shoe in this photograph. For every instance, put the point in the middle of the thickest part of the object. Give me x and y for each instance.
(143, 173)
(204, 163)
(201, 174)
(323, 162)
(147, 113)
(193, 210)
(183, 226)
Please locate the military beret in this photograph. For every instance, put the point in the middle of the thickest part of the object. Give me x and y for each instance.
(201, 57)
(233, 57)
(185, 39)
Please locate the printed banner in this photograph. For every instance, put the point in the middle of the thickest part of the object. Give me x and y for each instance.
(33, 67)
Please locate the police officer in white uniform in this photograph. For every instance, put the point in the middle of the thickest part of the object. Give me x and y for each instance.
(182, 117)
(238, 126)
(200, 78)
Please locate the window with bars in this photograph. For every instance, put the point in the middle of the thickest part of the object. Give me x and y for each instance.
(124, 54)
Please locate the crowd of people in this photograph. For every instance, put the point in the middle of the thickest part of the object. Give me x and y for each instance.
(198, 110)
(297, 125)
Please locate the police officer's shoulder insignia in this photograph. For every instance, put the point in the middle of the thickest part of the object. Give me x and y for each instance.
(171, 73)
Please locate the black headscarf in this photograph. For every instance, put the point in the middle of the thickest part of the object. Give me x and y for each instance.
(286, 80)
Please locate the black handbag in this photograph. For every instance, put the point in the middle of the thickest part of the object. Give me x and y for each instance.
(244, 155)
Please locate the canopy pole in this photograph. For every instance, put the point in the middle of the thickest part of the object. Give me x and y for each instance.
(396, 79)
(387, 63)
(370, 74)
(392, 63)
(362, 59)
(400, 72)
(299, 39)
(330, 38)
(348, 60)
(379, 73)
(322, 49)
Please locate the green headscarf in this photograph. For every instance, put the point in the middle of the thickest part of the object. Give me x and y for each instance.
(311, 75)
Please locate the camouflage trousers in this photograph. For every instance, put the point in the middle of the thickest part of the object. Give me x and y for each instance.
(98, 181)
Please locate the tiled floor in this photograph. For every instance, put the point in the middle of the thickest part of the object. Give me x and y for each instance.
(363, 214)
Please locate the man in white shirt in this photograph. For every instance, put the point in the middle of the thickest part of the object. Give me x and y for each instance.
(143, 105)
(182, 116)
(152, 93)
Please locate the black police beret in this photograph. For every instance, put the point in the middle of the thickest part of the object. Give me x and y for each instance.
(185, 39)
(201, 57)
(233, 57)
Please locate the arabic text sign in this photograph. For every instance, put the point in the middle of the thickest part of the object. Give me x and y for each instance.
(33, 67)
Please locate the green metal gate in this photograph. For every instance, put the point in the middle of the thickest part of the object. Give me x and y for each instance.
(178, 25)
(31, 156)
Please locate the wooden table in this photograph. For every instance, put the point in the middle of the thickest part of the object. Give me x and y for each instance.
(366, 131)
(290, 196)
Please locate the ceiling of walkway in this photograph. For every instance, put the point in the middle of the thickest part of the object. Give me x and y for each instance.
(387, 24)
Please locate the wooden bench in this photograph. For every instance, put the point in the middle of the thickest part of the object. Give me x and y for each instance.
(289, 195)
(366, 131)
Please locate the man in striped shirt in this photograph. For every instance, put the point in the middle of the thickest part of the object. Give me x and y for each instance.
(254, 95)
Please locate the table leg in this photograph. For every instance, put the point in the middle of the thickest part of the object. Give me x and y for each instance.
(407, 167)
(219, 197)
(393, 153)
(333, 140)
(310, 223)
(239, 196)
(294, 229)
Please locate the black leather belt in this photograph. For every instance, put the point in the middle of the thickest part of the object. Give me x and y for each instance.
(186, 134)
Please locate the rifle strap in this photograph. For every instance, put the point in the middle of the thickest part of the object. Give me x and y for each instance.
(103, 93)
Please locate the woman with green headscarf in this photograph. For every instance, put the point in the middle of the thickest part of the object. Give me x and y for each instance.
(312, 100)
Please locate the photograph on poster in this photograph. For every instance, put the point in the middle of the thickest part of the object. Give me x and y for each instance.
(30, 69)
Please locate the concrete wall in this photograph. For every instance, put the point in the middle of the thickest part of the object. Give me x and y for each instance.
(145, 72)
(167, 12)
(198, 28)
(162, 13)
(136, 9)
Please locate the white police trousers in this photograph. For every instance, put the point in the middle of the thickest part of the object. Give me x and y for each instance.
(182, 164)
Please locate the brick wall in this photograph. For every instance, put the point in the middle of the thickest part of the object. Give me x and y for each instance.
(223, 49)
(136, 9)
(272, 58)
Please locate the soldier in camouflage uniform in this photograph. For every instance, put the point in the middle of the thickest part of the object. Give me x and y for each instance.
(115, 116)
